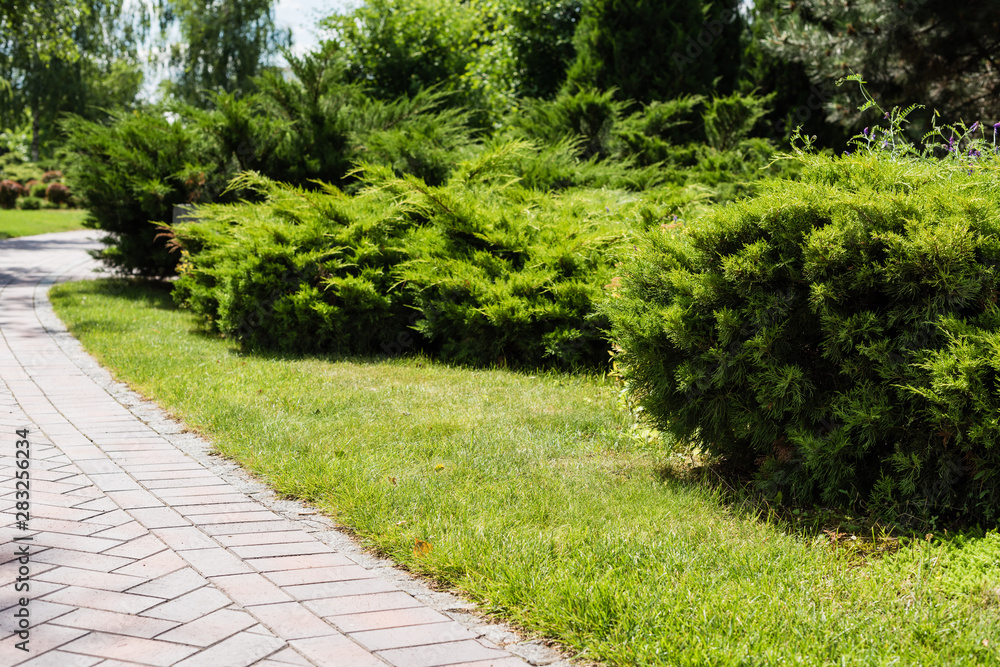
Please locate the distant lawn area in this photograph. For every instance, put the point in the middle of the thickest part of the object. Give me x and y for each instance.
(526, 493)
(28, 223)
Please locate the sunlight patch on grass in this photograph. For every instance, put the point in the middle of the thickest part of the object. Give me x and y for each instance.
(28, 223)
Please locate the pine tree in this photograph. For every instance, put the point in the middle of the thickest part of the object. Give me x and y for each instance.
(657, 49)
(940, 53)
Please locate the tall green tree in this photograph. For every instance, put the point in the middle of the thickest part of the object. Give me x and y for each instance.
(795, 100)
(657, 49)
(940, 53)
(67, 56)
(224, 45)
(540, 35)
(399, 47)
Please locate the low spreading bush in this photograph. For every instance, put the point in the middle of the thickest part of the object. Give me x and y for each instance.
(21, 172)
(303, 271)
(36, 189)
(479, 270)
(838, 336)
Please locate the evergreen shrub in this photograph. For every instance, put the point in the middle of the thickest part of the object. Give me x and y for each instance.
(302, 271)
(838, 336)
(133, 170)
(36, 189)
(30, 203)
(131, 173)
(479, 270)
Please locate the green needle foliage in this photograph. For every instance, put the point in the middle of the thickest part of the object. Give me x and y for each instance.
(479, 270)
(839, 335)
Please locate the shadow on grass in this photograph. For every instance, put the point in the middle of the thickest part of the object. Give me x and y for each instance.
(156, 294)
(848, 529)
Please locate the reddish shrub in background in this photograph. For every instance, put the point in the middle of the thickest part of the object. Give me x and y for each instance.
(9, 192)
(50, 176)
(57, 193)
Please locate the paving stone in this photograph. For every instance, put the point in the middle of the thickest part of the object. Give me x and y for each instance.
(336, 650)
(185, 537)
(288, 656)
(148, 551)
(387, 619)
(237, 651)
(291, 620)
(360, 604)
(215, 562)
(413, 635)
(311, 547)
(171, 585)
(57, 658)
(154, 566)
(211, 628)
(104, 580)
(335, 589)
(115, 623)
(250, 589)
(131, 649)
(319, 575)
(190, 606)
(92, 598)
(272, 564)
(436, 655)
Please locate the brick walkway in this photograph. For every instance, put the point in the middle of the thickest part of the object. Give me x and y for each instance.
(144, 551)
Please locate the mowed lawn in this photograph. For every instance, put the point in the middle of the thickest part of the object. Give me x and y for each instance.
(524, 492)
(28, 223)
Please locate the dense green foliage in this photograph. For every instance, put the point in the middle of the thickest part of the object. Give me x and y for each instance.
(939, 53)
(400, 47)
(65, 56)
(479, 270)
(657, 49)
(133, 171)
(224, 44)
(837, 335)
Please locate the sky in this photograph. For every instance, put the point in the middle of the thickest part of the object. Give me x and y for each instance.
(301, 16)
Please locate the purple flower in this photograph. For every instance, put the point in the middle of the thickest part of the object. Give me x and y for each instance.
(887, 115)
(974, 153)
(846, 153)
(975, 126)
(996, 127)
(951, 144)
(865, 133)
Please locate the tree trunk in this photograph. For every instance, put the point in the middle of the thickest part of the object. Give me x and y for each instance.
(34, 131)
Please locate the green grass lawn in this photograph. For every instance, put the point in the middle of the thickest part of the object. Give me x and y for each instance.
(524, 493)
(28, 223)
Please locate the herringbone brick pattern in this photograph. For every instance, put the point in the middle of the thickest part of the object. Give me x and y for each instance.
(139, 554)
